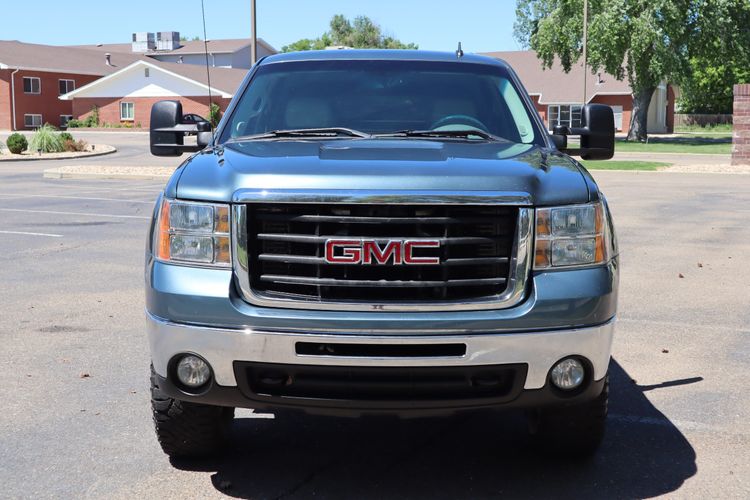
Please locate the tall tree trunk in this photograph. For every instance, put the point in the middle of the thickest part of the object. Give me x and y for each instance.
(639, 118)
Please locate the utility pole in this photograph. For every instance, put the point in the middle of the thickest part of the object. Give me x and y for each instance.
(253, 34)
(585, 45)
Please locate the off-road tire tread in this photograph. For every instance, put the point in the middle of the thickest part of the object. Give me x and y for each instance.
(188, 429)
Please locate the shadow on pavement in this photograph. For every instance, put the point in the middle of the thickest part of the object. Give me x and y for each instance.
(465, 456)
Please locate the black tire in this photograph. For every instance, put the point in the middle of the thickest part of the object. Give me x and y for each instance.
(188, 429)
(573, 430)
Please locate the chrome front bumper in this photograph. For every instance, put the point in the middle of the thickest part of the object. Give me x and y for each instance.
(222, 347)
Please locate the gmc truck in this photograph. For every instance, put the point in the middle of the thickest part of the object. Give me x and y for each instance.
(380, 232)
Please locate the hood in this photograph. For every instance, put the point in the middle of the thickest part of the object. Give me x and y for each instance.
(545, 177)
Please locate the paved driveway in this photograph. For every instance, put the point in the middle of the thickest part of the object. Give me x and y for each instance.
(75, 416)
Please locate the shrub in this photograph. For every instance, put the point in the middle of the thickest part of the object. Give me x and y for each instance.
(65, 136)
(17, 143)
(93, 119)
(46, 139)
(74, 146)
(214, 114)
(74, 123)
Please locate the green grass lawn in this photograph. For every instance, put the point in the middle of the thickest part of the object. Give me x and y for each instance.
(685, 144)
(624, 165)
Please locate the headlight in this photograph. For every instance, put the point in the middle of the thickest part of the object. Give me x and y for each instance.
(193, 233)
(575, 235)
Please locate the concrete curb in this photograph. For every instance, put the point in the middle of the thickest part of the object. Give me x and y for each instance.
(73, 156)
(663, 153)
(669, 170)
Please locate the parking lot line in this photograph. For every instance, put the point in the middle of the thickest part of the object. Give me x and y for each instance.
(74, 213)
(24, 233)
(23, 196)
(146, 188)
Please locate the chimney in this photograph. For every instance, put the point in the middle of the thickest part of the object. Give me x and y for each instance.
(108, 59)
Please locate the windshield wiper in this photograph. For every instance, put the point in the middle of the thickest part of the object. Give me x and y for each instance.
(444, 133)
(304, 132)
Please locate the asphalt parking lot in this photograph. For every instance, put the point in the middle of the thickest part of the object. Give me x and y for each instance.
(75, 419)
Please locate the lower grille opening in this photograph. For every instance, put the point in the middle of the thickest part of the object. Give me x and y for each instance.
(380, 350)
(379, 387)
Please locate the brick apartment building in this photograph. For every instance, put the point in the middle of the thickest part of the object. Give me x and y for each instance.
(127, 95)
(32, 77)
(558, 96)
(40, 83)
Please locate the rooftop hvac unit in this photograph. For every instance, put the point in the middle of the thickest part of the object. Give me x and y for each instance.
(167, 40)
(143, 41)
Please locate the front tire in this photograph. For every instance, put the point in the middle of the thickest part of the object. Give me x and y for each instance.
(573, 430)
(188, 429)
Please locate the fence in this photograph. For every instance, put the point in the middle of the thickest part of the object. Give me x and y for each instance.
(701, 120)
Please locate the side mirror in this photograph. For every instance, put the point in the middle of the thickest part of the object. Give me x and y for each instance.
(205, 136)
(597, 134)
(167, 134)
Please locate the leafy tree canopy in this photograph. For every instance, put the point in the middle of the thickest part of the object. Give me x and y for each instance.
(363, 33)
(719, 60)
(645, 41)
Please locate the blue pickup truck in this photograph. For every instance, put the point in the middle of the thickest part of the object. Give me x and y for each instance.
(380, 232)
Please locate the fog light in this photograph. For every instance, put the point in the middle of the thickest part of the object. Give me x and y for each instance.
(568, 374)
(192, 371)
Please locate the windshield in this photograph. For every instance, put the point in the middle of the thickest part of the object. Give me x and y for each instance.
(383, 97)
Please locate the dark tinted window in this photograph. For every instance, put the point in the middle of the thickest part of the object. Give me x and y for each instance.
(381, 97)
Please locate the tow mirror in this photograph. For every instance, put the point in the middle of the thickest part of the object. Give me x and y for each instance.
(205, 136)
(167, 134)
(597, 134)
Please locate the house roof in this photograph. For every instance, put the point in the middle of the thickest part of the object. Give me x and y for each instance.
(224, 81)
(553, 85)
(36, 57)
(223, 46)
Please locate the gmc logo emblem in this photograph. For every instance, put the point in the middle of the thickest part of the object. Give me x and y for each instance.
(366, 252)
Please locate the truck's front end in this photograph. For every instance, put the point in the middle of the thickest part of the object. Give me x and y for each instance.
(380, 232)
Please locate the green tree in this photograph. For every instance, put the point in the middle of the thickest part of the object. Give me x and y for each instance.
(363, 33)
(709, 87)
(720, 58)
(645, 41)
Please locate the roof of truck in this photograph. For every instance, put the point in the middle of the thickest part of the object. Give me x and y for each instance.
(381, 54)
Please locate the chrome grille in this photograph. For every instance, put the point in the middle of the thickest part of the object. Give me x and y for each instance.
(285, 252)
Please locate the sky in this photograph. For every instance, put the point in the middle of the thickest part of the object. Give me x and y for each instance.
(481, 25)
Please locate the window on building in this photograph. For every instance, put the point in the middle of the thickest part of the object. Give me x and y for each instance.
(127, 111)
(32, 121)
(564, 114)
(64, 119)
(617, 111)
(67, 86)
(32, 85)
